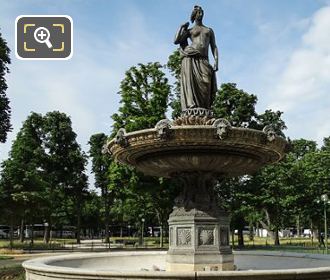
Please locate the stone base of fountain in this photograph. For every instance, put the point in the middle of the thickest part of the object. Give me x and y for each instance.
(198, 229)
(198, 242)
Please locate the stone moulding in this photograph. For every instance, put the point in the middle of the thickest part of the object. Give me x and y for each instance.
(240, 151)
(47, 268)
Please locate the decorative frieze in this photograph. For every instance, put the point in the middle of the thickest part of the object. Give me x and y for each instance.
(206, 236)
(183, 236)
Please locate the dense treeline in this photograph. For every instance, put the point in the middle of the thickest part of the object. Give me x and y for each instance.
(44, 179)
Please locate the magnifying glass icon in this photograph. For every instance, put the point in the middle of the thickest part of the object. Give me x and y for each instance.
(41, 35)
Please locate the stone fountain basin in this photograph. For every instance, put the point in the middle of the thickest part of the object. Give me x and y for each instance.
(238, 151)
(140, 265)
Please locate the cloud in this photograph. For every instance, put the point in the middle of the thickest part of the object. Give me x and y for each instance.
(306, 77)
(301, 89)
(86, 86)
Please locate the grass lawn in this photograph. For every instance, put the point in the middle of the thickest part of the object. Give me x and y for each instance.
(291, 241)
(293, 244)
(12, 273)
(3, 257)
(38, 244)
(306, 245)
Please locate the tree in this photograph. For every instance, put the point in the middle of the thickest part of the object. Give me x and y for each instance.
(144, 100)
(77, 191)
(315, 170)
(275, 196)
(46, 167)
(174, 65)
(144, 96)
(235, 105)
(91, 214)
(22, 173)
(64, 164)
(100, 167)
(326, 144)
(5, 111)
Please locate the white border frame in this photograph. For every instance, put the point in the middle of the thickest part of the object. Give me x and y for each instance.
(30, 58)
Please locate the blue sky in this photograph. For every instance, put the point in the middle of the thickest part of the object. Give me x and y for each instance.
(278, 50)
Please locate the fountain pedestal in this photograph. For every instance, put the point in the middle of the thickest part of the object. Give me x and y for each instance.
(198, 229)
(199, 242)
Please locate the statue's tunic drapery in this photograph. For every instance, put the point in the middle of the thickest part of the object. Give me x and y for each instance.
(198, 80)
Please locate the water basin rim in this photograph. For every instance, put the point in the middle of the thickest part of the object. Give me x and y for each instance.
(44, 265)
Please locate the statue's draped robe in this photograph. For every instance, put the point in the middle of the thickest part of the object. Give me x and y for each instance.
(198, 80)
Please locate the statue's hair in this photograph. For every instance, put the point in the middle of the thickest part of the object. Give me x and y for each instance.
(194, 12)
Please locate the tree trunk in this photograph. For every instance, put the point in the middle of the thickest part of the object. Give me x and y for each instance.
(233, 238)
(267, 225)
(161, 241)
(160, 221)
(47, 233)
(106, 215)
(11, 232)
(78, 220)
(298, 226)
(257, 230)
(251, 232)
(240, 238)
(140, 235)
(312, 232)
(32, 234)
(21, 231)
(276, 237)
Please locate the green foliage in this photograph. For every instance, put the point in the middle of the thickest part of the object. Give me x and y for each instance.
(22, 179)
(235, 105)
(174, 65)
(100, 166)
(100, 161)
(144, 100)
(326, 144)
(144, 97)
(238, 107)
(44, 174)
(272, 119)
(5, 111)
(92, 212)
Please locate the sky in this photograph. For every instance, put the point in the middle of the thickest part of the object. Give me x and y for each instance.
(277, 50)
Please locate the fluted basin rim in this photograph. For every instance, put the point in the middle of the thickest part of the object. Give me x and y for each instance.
(230, 151)
(43, 266)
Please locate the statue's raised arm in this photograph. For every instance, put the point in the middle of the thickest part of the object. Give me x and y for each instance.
(181, 36)
(198, 80)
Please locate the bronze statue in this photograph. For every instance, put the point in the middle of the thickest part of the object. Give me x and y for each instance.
(198, 80)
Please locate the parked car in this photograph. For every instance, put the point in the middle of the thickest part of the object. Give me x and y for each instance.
(3, 234)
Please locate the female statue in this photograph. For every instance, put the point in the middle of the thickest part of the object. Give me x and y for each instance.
(198, 80)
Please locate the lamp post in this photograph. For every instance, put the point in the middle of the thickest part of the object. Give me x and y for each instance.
(129, 230)
(142, 230)
(325, 199)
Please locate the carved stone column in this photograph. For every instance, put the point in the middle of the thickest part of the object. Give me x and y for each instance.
(198, 229)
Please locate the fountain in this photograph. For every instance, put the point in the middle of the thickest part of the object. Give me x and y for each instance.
(200, 151)
(198, 155)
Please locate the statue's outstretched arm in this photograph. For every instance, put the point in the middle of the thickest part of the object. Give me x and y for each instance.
(181, 35)
(214, 49)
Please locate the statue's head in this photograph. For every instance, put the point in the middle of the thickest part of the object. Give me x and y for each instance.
(197, 14)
